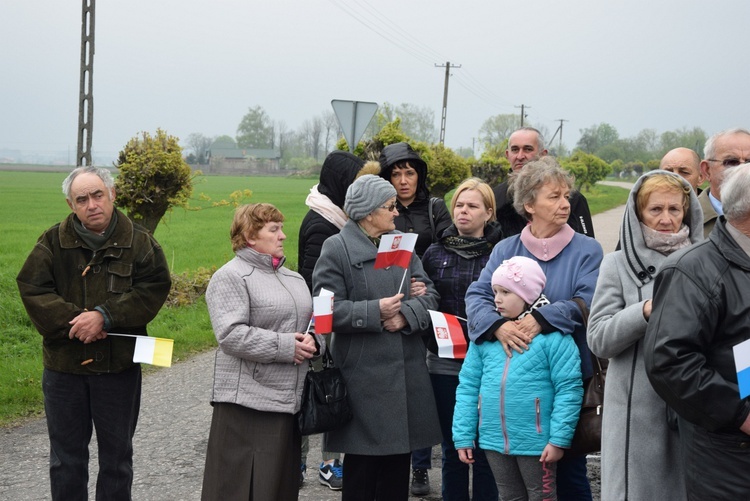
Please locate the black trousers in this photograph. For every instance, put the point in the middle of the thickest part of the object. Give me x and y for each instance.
(370, 478)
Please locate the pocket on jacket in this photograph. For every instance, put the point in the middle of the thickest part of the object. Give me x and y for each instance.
(119, 277)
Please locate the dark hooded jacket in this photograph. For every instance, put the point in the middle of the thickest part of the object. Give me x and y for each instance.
(416, 217)
(339, 170)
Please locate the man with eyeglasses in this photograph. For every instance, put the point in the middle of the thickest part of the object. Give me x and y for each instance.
(725, 149)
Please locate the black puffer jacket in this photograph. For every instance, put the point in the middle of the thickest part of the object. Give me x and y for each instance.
(339, 170)
(512, 223)
(415, 218)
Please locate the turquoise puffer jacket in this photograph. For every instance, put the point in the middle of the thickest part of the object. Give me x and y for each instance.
(519, 404)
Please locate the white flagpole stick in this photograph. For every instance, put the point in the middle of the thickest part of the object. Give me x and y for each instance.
(309, 325)
(402, 281)
(460, 318)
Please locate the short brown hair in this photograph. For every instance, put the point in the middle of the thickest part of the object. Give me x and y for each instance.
(249, 220)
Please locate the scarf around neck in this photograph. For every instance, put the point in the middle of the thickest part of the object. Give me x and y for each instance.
(666, 243)
(323, 206)
(540, 301)
(546, 249)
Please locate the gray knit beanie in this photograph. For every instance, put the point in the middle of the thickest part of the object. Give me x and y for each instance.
(367, 194)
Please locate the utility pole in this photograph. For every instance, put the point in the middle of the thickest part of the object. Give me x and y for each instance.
(523, 113)
(559, 129)
(447, 67)
(86, 96)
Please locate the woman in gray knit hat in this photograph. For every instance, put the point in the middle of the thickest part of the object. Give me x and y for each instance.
(376, 344)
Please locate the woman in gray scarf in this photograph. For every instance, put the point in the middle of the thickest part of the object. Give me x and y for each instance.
(640, 454)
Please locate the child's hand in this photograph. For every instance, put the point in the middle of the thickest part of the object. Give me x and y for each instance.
(551, 454)
(466, 455)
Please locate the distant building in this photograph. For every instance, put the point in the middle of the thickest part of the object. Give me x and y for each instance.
(224, 157)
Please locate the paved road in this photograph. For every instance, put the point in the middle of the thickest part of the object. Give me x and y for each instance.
(170, 442)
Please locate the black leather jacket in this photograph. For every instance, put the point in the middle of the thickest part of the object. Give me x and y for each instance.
(700, 311)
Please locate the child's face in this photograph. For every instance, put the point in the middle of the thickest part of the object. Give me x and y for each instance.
(509, 304)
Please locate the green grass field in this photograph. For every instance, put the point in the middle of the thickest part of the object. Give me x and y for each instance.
(31, 202)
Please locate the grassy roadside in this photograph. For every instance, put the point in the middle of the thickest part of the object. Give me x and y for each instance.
(31, 202)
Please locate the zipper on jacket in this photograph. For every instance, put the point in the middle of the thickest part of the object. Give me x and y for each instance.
(538, 408)
(504, 424)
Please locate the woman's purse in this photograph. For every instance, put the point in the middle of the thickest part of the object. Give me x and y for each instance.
(588, 435)
(325, 402)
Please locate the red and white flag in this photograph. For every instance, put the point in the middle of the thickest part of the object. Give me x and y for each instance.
(449, 335)
(395, 250)
(323, 312)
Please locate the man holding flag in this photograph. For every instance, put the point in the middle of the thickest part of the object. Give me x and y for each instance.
(94, 273)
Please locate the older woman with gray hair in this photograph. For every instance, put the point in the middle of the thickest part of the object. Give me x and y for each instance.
(377, 345)
(570, 260)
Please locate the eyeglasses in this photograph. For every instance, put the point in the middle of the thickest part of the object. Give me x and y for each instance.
(730, 162)
(390, 208)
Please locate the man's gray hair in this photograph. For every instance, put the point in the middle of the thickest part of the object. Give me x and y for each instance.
(735, 193)
(709, 150)
(103, 174)
(539, 140)
(526, 184)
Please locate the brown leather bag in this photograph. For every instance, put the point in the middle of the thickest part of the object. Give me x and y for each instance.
(588, 435)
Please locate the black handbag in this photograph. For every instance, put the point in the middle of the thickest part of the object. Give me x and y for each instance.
(325, 402)
(588, 435)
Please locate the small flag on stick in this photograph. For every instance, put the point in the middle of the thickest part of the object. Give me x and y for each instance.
(449, 335)
(323, 312)
(151, 350)
(395, 250)
(742, 364)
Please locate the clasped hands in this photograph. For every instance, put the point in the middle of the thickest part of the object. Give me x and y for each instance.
(87, 327)
(517, 334)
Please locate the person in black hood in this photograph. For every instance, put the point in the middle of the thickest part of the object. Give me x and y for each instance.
(418, 212)
(426, 216)
(325, 218)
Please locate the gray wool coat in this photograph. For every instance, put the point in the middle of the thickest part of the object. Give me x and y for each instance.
(640, 453)
(385, 372)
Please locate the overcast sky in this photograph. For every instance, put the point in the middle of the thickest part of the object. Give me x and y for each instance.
(188, 66)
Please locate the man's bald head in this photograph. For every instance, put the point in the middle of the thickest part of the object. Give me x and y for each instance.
(686, 163)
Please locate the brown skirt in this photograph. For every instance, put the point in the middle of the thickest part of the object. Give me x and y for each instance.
(252, 455)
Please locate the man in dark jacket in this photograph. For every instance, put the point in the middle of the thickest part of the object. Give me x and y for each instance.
(93, 274)
(700, 313)
(524, 145)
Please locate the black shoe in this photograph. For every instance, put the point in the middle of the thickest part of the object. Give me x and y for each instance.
(331, 475)
(420, 482)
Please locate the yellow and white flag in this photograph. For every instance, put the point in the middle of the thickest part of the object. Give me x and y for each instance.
(151, 350)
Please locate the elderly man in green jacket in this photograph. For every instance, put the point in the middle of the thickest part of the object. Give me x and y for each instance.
(94, 273)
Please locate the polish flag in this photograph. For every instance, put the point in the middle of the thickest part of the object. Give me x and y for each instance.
(323, 312)
(449, 335)
(395, 250)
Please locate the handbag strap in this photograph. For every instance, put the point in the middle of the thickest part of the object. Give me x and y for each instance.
(597, 364)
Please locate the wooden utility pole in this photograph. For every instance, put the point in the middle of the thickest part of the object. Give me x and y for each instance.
(447, 67)
(523, 113)
(85, 95)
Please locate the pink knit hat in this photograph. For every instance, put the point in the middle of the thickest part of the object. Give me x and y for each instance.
(521, 275)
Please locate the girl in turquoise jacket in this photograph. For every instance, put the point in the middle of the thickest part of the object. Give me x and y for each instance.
(525, 406)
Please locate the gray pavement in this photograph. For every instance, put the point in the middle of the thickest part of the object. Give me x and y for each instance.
(170, 442)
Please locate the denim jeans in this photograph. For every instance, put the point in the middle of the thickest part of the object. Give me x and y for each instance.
(456, 473)
(72, 403)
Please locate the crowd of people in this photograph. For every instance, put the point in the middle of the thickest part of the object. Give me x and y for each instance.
(516, 264)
